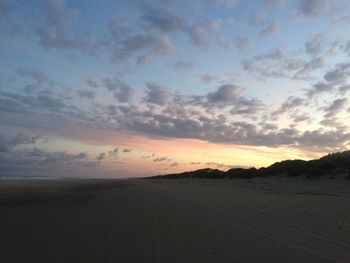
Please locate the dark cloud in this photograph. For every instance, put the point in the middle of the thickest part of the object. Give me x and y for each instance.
(320, 87)
(156, 94)
(17, 161)
(337, 106)
(339, 75)
(224, 94)
(8, 142)
(101, 156)
(37, 162)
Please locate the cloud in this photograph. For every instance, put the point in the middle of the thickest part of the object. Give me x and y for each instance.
(270, 30)
(308, 68)
(344, 89)
(331, 79)
(273, 4)
(101, 156)
(258, 19)
(17, 161)
(91, 83)
(88, 94)
(208, 78)
(156, 94)
(163, 20)
(54, 32)
(8, 142)
(290, 103)
(5, 7)
(226, 3)
(276, 54)
(339, 75)
(121, 91)
(316, 7)
(117, 27)
(201, 32)
(184, 65)
(37, 75)
(224, 94)
(314, 43)
(37, 162)
(161, 159)
(242, 43)
(337, 106)
(143, 45)
(320, 87)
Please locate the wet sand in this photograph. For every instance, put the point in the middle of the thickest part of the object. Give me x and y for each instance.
(174, 221)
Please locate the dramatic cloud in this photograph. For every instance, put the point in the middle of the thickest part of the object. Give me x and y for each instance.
(147, 74)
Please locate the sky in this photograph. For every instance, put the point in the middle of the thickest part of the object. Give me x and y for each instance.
(137, 88)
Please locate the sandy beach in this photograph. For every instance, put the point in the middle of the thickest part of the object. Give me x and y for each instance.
(260, 220)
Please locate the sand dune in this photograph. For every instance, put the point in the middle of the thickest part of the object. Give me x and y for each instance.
(175, 221)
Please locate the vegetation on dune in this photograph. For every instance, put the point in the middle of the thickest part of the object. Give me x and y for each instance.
(336, 163)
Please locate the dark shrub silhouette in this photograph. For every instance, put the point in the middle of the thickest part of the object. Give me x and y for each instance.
(330, 164)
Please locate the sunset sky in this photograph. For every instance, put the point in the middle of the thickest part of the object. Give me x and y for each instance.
(133, 88)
